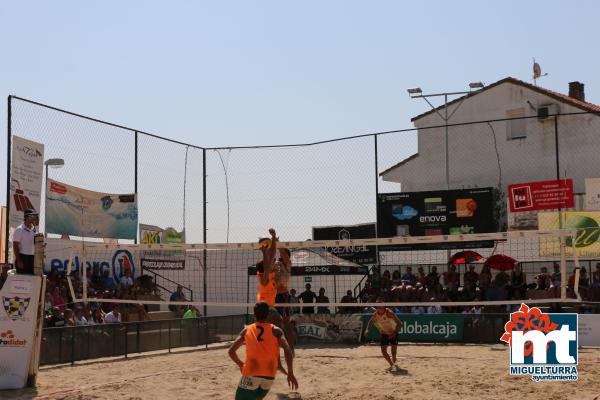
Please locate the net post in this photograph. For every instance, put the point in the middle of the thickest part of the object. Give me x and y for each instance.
(563, 267)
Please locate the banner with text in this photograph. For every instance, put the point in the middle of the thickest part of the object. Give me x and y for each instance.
(358, 254)
(79, 212)
(329, 327)
(20, 298)
(426, 327)
(26, 170)
(543, 195)
(588, 233)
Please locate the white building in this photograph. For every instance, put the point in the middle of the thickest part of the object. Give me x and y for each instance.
(504, 152)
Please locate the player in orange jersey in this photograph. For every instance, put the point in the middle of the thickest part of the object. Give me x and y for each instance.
(263, 341)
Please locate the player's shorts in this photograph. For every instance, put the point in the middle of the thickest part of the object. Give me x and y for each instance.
(387, 340)
(283, 298)
(253, 387)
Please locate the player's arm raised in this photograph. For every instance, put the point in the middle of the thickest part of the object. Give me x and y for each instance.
(239, 341)
(272, 249)
(289, 357)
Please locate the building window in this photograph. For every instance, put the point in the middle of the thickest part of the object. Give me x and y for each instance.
(516, 128)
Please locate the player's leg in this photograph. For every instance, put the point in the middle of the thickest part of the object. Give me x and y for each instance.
(393, 340)
(385, 354)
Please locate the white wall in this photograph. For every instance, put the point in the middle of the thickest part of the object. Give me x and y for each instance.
(473, 160)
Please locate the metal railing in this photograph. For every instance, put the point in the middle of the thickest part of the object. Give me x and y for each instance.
(71, 344)
(158, 285)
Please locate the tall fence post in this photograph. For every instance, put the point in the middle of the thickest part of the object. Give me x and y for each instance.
(376, 195)
(8, 154)
(135, 178)
(204, 224)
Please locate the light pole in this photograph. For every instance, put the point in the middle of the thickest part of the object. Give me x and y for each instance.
(52, 163)
(417, 93)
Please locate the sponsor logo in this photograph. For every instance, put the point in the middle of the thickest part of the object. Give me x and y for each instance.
(444, 330)
(344, 234)
(57, 188)
(588, 231)
(15, 307)
(122, 261)
(403, 213)
(311, 330)
(8, 339)
(542, 345)
(29, 152)
(432, 218)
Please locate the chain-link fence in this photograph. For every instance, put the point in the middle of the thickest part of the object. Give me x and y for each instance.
(243, 191)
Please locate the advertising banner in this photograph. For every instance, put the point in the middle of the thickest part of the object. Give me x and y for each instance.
(329, 327)
(26, 170)
(59, 253)
(543, 195)
(431, 328)
(589, 330)
(588, 233)
(18, 316)
(161, 259)
(592, 194)
(357, 254)
(78, 212)
(447, 212)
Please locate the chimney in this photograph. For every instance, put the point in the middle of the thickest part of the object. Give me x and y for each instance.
(576, 90)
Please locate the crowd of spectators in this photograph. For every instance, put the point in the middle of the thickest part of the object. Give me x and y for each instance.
(61, 310)
(476, 283)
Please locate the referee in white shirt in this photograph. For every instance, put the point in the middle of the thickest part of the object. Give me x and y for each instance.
(23, 246)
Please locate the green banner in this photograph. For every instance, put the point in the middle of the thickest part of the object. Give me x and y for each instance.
(434, 328)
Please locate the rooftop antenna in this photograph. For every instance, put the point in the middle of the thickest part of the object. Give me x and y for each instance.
(537, 72)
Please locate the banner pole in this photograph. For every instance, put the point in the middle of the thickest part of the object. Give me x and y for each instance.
(8, 176)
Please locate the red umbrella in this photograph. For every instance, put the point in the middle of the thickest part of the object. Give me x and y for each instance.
(465, 257)
(500, 262)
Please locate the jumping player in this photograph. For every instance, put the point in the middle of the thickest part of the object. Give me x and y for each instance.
(267, 287)
(263, 341)
(388, 325)
(283, 270)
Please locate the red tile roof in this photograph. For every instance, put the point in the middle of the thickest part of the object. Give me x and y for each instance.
(583, 105)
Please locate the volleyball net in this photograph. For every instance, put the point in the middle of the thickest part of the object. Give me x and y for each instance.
(452, 271)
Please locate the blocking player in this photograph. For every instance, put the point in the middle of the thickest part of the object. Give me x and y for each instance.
(263, 341)
(283, 270)
(388, 325)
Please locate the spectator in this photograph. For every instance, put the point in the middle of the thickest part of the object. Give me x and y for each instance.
(54, 277)
(396, 278)
(80, 319)
(471, 277)
(294, 299)
(518, 283)
(595, 277)
(555, 308)
(23, 248)
(433, 280)
(421, 278)
(114, 316)
(69, 318)
(177, 296)
(58, 300)
(375, 280)
(418, 310)
(108, 283)
(386, 281)
(348, 298)
(501, 279)
(96, 318)
(56, 319)
(434, 309)
(321, 298)
(485, 280)
(556, 275)
(48, 302)
(191, 312)
(451, 281)
(96, 278)
(543, 280)
(126, 281)
(308, 297)
(584, 281)
(409, 278)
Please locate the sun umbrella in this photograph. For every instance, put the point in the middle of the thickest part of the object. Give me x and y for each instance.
(465, 257)
(500, 262)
